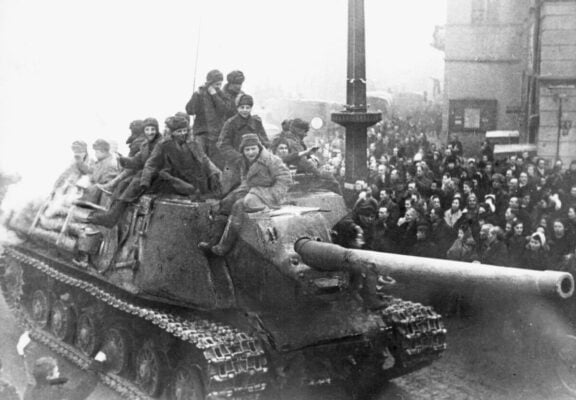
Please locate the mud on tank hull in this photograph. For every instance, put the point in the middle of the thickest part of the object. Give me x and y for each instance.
(180, 325)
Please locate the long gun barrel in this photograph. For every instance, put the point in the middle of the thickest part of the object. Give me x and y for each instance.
(331, 257)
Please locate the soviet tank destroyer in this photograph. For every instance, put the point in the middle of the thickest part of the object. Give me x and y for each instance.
(282, 312)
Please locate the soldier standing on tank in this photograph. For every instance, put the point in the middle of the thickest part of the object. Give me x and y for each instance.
(209, 107)
(265, 181)
(178, 165)
(231, 136)
(232, 91)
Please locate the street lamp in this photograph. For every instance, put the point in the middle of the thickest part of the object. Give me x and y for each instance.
(559, 94)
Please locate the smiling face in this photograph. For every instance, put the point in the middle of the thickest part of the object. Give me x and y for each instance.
(244, 110)
(150, 132)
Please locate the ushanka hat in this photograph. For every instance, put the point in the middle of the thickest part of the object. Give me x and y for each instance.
(213, 77)
(245, 99)
(176, 122)
(101, 144)
(78, 146)
(235, 77)
(250, 139)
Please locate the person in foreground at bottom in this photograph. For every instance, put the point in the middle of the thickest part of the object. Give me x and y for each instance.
(265, 181)
(51, 386)
(7, 390)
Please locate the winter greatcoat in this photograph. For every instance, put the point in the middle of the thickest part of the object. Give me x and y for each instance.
(231, 136)
(105, 170)
(265, 183)
(128, 189)
(187, 162)
(209, 110)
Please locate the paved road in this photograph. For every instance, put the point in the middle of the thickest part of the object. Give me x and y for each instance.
(489, 357)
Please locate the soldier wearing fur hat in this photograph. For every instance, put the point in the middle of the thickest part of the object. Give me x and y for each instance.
(301, 157)
(179, 165)
(136, 137)
(82, 165)
(231, 136)
(106, 166)
(126, 187)
(265, 182)
(105, 169)
(232, 91)
(209, 107)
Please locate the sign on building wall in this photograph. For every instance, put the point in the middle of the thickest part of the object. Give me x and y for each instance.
(472, 115)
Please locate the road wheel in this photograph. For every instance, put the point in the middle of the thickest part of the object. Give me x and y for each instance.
(566, 366)
(117, 347)
(150, 367)
(40, 308)
(187, 383)
(63, 321)
(87, 334)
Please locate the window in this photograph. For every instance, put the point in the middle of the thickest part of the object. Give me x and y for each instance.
(484, 11)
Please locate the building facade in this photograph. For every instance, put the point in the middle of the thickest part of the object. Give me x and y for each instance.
(510, 65)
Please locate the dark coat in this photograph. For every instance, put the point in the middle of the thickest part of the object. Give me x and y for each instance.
(495, 254)
(560, 247)
(463, 249)
(187, 162)
(209, 112)
(442, 237)
(538, 260)
(231, 135)
(128, 189)
(138, 161)
(383, 237)
(230, 101)
(295, 146)
(516, 249)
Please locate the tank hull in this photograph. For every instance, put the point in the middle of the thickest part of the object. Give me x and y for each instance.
(238, 357)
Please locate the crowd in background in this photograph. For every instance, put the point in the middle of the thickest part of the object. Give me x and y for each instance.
(431, 200)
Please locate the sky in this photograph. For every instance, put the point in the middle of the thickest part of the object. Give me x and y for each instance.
(75, 69)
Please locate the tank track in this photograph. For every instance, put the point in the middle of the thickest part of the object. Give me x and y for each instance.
(418, 329)
(230, 353)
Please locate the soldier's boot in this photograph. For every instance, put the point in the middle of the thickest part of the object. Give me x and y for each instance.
(228, 238)
(216, 232)
(108, 218)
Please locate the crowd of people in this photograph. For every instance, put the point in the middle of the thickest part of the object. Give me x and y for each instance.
(427, 201)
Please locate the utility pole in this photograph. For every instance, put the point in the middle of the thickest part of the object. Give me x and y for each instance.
(355, 118)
